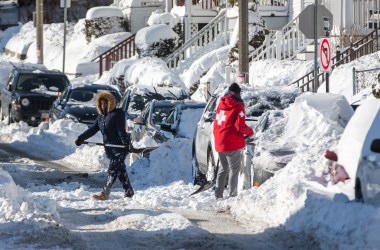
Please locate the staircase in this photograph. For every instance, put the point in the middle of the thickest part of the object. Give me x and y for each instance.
(123, 50)
(367, 45)
(191, 48)
(286, 43)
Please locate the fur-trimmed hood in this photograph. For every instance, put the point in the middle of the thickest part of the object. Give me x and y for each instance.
(107, 96)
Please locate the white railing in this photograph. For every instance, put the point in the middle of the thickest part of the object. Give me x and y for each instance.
(273, 2)
(204, 37)
(286, 43)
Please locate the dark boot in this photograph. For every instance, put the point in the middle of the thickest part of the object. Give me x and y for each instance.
(101, 196)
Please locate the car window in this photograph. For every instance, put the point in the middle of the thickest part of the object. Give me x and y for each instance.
(159, 113)
(375, 146)
(64, 94)
(211, 106)
(170, 117)
(82, 96)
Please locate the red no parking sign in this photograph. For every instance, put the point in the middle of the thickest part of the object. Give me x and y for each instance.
(325, 55)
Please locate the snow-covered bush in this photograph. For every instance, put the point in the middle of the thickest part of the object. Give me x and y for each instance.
(102, 21)
(156, 41)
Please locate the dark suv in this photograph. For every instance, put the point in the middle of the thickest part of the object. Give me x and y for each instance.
(29, 94)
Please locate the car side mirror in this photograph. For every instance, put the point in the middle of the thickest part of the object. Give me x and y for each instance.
(139, 120)
(208, 116)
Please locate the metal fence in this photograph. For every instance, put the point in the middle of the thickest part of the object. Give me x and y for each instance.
(363, 79)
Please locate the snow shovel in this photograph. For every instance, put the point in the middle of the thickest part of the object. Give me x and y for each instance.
(208, 184)
(132, 149)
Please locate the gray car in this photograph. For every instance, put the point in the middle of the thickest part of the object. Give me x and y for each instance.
(256, 102)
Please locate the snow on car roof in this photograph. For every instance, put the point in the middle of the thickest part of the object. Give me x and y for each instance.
(257, 100)
(165, 91)
(103, 11)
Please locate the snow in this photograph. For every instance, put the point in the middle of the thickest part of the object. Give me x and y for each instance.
(103, 11)
(299, 198)
(148, 35)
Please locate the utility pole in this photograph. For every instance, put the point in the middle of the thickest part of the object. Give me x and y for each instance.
(64, 34)
(243, 42)
(39, 31)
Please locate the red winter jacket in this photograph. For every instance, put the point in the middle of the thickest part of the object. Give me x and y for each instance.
(229, 125)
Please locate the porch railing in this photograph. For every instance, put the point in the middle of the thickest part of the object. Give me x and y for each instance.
(204, 37)
(123, 50)
(285, 44)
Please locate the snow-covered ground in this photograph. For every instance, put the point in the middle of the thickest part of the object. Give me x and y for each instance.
(300, 198)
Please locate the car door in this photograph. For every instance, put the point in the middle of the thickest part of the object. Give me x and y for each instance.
(204, 134)
(58, 106)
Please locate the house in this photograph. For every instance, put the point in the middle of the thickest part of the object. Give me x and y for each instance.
(137, 12)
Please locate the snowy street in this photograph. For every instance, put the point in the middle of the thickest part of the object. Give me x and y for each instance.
(103, 226)
(305, 147)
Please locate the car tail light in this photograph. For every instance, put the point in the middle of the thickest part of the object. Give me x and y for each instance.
(331, 155)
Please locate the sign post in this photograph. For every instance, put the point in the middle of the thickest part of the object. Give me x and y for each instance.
(64, 4)
(325, 59)
(315, 22)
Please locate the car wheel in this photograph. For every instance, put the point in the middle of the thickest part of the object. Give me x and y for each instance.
(1, 113)
(198, 177)
(358, 191)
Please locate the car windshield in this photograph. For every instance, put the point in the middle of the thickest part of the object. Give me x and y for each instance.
(86, 96)
(138, 101)
(256, 103)
(31, 82)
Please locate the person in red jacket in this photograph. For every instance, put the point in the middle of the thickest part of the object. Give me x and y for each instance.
(230, 130)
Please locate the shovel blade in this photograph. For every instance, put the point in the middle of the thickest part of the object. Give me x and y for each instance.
(204, 187)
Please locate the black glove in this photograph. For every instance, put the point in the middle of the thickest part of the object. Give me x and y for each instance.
(78, 142)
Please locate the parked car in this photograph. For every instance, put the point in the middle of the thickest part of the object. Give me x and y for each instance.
(137, 96)
(263, 169)
(356, 160)
(148, 123)
(29, 94)
(162, 120)
(256, 101)
(182, 120)
(274, 149)
(77, 103)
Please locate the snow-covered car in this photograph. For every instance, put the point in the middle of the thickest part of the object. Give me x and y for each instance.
(148, 123)
(136, 97)
(356, 160)
(275, 148)
(162, 120)
(77, 103)
(29, 94)
(267, 160)
(182, 120)
(256, 101)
